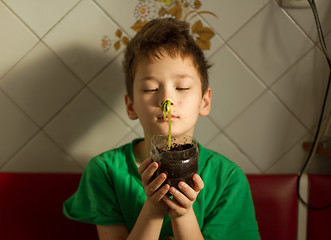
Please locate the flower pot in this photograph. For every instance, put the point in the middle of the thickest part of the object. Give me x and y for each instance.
(179, 163)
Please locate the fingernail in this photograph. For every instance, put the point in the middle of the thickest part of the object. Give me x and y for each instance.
(182, 185)
(172, 190)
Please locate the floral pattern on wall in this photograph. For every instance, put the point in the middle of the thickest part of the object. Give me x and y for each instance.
(106, 42)
(146, 10)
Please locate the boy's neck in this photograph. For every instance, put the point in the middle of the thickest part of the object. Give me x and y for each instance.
(141, 151)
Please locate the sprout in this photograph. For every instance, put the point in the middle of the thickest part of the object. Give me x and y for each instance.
(166, 108)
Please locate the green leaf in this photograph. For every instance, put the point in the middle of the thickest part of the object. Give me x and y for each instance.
(166, 108)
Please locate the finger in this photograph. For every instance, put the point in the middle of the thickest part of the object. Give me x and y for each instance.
(198, 183)
(148, 173)
(161, 192)
(154, 185)
(144, 165)
(180, 198)
(190, 193)
(171, 203)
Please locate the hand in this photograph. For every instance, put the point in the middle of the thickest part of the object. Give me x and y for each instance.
(152, 191)
(183, 200)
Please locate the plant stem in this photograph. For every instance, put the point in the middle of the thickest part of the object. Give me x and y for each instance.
(166, 107)
(169, 137)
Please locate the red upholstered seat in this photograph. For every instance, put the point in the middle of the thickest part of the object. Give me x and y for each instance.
(276, 205)
(319, 221)
(31, 207)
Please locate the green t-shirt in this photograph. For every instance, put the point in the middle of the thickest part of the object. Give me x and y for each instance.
(111, 193)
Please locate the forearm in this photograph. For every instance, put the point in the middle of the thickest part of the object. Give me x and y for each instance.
(148, 225)
(186, 227)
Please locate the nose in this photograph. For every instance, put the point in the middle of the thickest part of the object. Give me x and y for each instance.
(166, 94)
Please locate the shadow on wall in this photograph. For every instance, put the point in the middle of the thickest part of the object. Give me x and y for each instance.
(54, 120)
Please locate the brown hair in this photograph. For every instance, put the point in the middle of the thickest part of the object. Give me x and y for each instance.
(167, 34)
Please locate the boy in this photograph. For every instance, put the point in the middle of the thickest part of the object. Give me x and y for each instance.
(117, 193)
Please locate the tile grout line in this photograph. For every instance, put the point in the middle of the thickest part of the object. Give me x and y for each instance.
(60, 19)
(72, 158)
(109, 108)
(308, 134)
(33, 32)
(243, 152)
(20, 108)
(20, 59)
(2, 165)
(298, 25)
(294, 116)
(268, 88)
(221, 131)
(21, 20)
(111, 18)
(31, 121)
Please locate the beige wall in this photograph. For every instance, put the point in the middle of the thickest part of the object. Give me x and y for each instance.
(61, 84)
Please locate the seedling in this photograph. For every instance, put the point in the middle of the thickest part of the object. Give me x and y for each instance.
(166, 109)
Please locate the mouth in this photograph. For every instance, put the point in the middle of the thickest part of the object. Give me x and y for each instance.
(166, 119)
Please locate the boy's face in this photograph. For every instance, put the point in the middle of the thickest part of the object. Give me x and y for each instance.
(175, 79)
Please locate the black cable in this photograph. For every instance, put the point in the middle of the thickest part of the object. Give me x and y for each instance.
(323, 45)
(319, 30)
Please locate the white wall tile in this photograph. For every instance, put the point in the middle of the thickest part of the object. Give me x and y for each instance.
(41, 155)
(138, 129)
(265, 130)
(270, 43)
(127, 139)
(40, 84)
(16, 39)
(86, 127)
(110, 86)
(220, 14)
(292, 161)
(15, 129)
(78, 40)
(303, 87)
(224, 146)
(205, 130)
(41, 15)
(234, 87)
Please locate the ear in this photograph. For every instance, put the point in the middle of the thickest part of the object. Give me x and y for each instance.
(129, 108)
(205, 103)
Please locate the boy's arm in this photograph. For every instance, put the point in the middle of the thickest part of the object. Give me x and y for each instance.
(148, 226)
(183, 219)
(119, 232)
(187, 227)
(150, 219)
(149, 222)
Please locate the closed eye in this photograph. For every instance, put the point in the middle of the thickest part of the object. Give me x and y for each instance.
(182, 89)
(150, 90)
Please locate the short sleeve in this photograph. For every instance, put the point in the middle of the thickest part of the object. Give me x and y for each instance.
(233, 216)
(95, 200)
